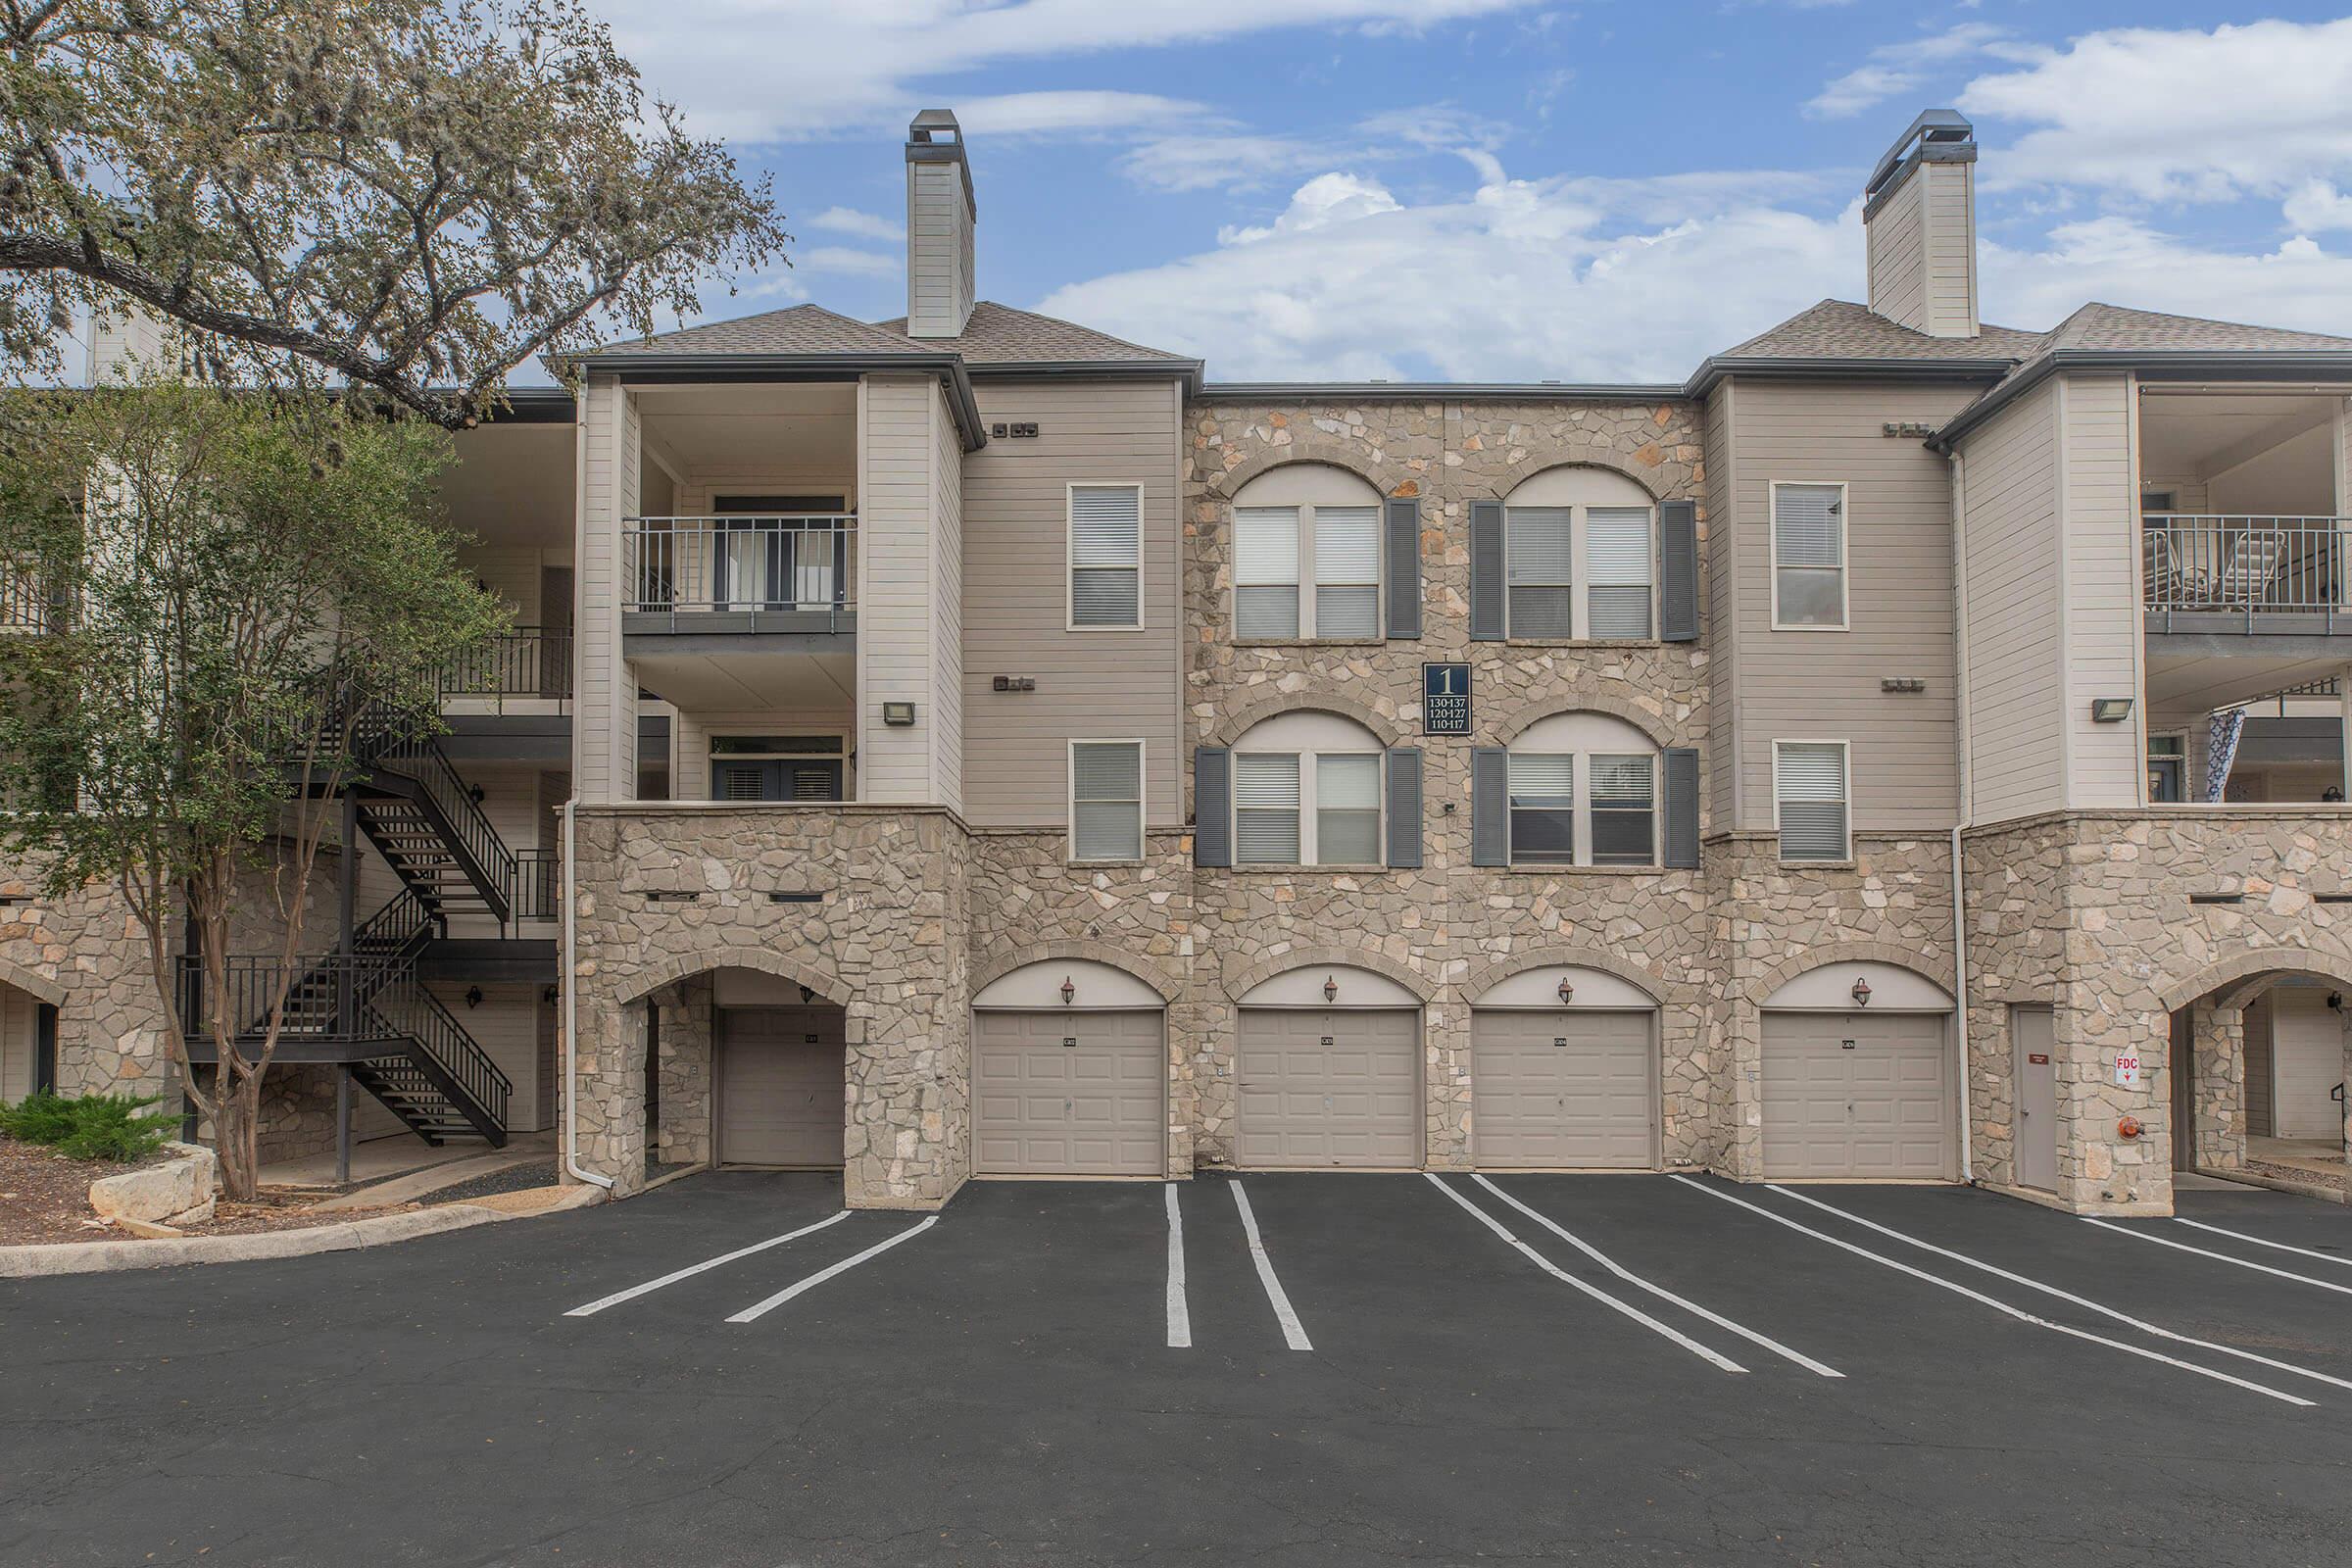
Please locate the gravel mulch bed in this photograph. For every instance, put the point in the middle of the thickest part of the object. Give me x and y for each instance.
(655, 1169)
(515, 1179)
(2330, 1173)
(45, 1197)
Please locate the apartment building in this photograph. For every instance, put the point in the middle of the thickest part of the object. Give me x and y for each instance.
(972, 745)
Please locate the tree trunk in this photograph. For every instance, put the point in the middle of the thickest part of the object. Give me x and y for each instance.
(235, 1135)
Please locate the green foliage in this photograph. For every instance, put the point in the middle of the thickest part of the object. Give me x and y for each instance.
(117, 1127)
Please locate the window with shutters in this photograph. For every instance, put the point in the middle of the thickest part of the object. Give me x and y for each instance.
(1265, 809)
(1106, 545)
(1106, 800)
(1306, 556)
(1809, 556)
(1809, 787)
(1308, 790)
(1580, 558)
(1539, 558)
(1617, 573)
(1583, 790)
(1348, 810)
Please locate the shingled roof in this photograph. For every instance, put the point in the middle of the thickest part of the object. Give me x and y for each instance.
(796, 330)
(999, 334)
(1839, 329)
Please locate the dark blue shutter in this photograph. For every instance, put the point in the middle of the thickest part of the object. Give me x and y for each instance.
(1681, 806)
(1403, 545)
(1213, 806)
(1489, 806)
(1486, 571)
(1404, 806)
(1678, 571)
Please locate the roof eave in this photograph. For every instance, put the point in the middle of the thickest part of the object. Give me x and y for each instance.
(2159, 365)
(949, 367)
(1830, 368)
(1189, 371)
(1460, 391)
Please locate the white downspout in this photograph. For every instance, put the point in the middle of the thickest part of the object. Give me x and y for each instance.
(1968, 1161)
(572, 1006)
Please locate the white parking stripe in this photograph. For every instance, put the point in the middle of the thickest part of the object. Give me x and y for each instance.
(1294, 1333)
(1658, 1291)
(2067, 1295)
(1180, 1316)
(689, 1272)
(2002, 1308)
(751, 1313)
(1594, 1291)
(2219, 1258)
(2258, 1241)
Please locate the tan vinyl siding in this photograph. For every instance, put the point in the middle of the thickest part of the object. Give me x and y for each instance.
(946, 608)
(691, 732)
(1897, 245)
(1724, 598)
(1825, 685)
(507, 1028)
(2016, 672)
(939, 249)
(1922, 252)
(898, 603)
(19, 1029)
(2101, 575)
(604, 726)
(1090, 684)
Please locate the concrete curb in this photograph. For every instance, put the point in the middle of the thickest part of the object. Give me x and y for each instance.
(107, 1257)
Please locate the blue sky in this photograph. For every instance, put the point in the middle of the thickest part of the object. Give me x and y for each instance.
(1483, 189)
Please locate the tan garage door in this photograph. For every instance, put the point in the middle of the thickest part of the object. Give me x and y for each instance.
(1562, 1088)
(1333, 1088)
(780, 1086)
(1857, 1094)
(1069, 1094)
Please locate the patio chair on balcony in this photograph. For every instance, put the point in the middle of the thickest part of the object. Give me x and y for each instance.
(2249, 570)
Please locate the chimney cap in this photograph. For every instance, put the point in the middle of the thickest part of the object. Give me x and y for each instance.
(934, 120)
(1940, 135)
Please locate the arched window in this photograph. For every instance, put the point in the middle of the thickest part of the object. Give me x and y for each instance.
(1307, 791)
(1584, 790)
(1579, 558)
(1306, 556)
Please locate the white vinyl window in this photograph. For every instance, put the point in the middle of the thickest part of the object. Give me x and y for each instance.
(1580, 572)
(1539, 558)
(1306, 809)
(1265, 809)
(1348, 810)
(1617, 573)
(1306, 572)
(1106, 543)
(1809, 800)
(1582, 808)
(1809, 556)
(1543, 792)
(1624, 792)
(1106, 800)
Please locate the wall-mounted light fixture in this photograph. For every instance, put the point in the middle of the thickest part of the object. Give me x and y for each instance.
(898, 715)
(2109, 709)
(473, 996)
(1567, 992)
(2336, 1001)
(1861, 992)
(551, 995)
(1070, 991)
(1331, 988)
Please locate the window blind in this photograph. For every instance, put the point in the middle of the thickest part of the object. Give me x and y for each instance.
(1265, 809)
(1106, 800)
(1808, 786)
(1623, 790)
(1105, 555)
(1542, 801)
(1348, 810)
(1346, 571)
(1265, 571)
(1617, 558)
(1540, 564)
(1808, 542)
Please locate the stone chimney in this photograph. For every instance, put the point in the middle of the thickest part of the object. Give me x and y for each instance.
(1919, 220)
(938, 228)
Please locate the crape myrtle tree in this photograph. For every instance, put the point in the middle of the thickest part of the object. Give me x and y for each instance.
(236, 592)
(409, 196)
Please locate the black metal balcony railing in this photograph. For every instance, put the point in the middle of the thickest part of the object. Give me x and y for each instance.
(699, 565)
(528, 662)
(538, 885)
(2247, 564)
(326, 998)
(27, 604)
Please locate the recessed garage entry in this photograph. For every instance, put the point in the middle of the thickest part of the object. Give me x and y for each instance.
(1330, 1080)
(1867, 1091)
(781, 1086)
(1565, 1085)
(1069, 1087)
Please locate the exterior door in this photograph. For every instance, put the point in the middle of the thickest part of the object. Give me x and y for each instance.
(2033, 1037)
(1069, 1093)
(782, 1089)
(1563, 1089)
(1322, 1089)
(1852, 1094)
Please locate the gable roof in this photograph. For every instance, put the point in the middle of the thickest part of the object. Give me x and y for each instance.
(1839, 329)
(2115, 328)
(998, 335)
(800, 330)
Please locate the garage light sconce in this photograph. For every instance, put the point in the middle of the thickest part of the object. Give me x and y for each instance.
(1070, 991)
(1567, 992)
(1861, 992)
(1330, 989)
(2109, 709)
(2336, 1001)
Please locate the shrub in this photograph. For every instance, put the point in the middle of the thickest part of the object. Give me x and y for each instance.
(91, 1126)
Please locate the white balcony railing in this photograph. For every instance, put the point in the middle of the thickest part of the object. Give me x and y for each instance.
(2247, 566)
(783, 571)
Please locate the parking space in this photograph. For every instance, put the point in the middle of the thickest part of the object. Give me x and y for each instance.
(1319, 1368)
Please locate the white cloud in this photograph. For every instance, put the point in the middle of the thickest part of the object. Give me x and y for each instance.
(2182, 115)
(1029, 114)
(1895, 69)
(843, 261)
(1238, 161)
(2316, 206)
(864, 225)
(868, 59)
(2123, 260)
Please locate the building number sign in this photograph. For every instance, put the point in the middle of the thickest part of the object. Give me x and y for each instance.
(1444, 698)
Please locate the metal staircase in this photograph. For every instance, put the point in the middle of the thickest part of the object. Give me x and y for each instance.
(425, 821)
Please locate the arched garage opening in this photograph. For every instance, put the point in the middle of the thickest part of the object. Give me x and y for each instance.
(2259, 1065)
(1329, 1071)
(1069, 1073)
(746, 1068)
(1564, 1072)
(1858, 1076)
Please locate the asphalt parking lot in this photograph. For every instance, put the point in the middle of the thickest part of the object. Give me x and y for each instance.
(1316, 1369)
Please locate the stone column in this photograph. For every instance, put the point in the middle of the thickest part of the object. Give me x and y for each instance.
(609, 1076)
(2218, 1044)
(684, 1062)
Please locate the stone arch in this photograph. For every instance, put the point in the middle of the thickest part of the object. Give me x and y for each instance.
(1003, 965)
(1849, 953)
(1582, 698)
(1240, 985)
(764, 959)
(41, 987)
(1487, 976)
(1239, 723)
(1598, 457)
(1315, 448)
(2259, 962)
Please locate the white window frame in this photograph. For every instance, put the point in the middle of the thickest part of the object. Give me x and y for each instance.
(1306, 585)
(1580, 574)
(1846, 553)
(1580, 772)
(1069, 552)
(1588, 800)
(1311, 813)
(1143, 797)
(1845, 758)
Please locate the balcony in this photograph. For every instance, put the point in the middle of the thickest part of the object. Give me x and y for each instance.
(2240, 606)
(734, 575)
(525, 670)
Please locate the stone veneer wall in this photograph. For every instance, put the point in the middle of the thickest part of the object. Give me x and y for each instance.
(87, 957)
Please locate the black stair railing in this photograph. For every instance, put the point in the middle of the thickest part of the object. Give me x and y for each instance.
(401, 927)
(384, 742)
(453, 1058)
(527, 661)
(326, 998)
(538, 885)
